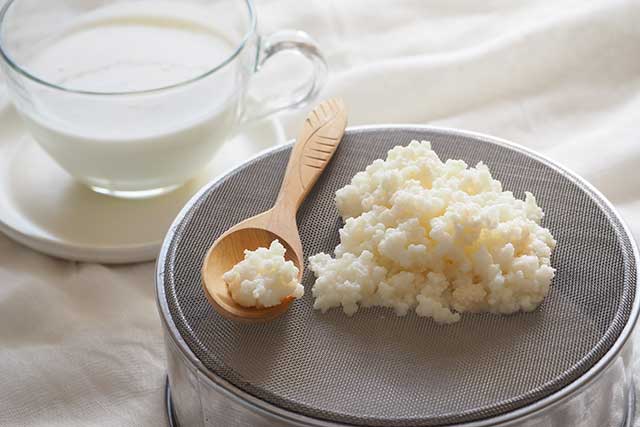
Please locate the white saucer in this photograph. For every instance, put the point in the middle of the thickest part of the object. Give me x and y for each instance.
(43, 208)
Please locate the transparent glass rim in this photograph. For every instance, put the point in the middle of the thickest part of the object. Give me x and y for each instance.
(20, 70)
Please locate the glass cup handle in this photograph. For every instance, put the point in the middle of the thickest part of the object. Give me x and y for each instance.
(292, 40)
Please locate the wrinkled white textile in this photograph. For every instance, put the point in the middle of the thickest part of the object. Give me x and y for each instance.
(81, 344)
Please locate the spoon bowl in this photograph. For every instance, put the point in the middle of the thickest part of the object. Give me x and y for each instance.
(318, 140)
(226, 252)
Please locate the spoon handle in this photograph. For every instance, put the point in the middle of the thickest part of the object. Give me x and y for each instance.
(318, 140)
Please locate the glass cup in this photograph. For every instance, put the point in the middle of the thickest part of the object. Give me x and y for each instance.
(134, 97)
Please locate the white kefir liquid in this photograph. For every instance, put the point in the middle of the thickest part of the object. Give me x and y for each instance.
(144, 141)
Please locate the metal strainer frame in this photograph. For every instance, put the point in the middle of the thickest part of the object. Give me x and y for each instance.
(191, 379)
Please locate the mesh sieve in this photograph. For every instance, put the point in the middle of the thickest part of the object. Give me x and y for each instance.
(376, 369)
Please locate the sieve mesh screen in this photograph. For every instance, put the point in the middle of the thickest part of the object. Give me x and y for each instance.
(376, 369)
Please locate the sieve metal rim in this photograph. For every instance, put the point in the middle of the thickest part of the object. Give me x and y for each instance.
(259, 405)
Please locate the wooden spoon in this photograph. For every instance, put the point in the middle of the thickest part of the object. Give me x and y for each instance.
(322, 131)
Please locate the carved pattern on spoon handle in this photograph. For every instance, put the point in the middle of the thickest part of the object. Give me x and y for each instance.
(316, 143)
(319, 139)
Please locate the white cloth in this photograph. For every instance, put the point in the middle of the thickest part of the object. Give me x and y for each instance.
(82, 345)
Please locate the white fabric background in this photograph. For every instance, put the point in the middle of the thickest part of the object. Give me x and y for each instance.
(81, 344)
